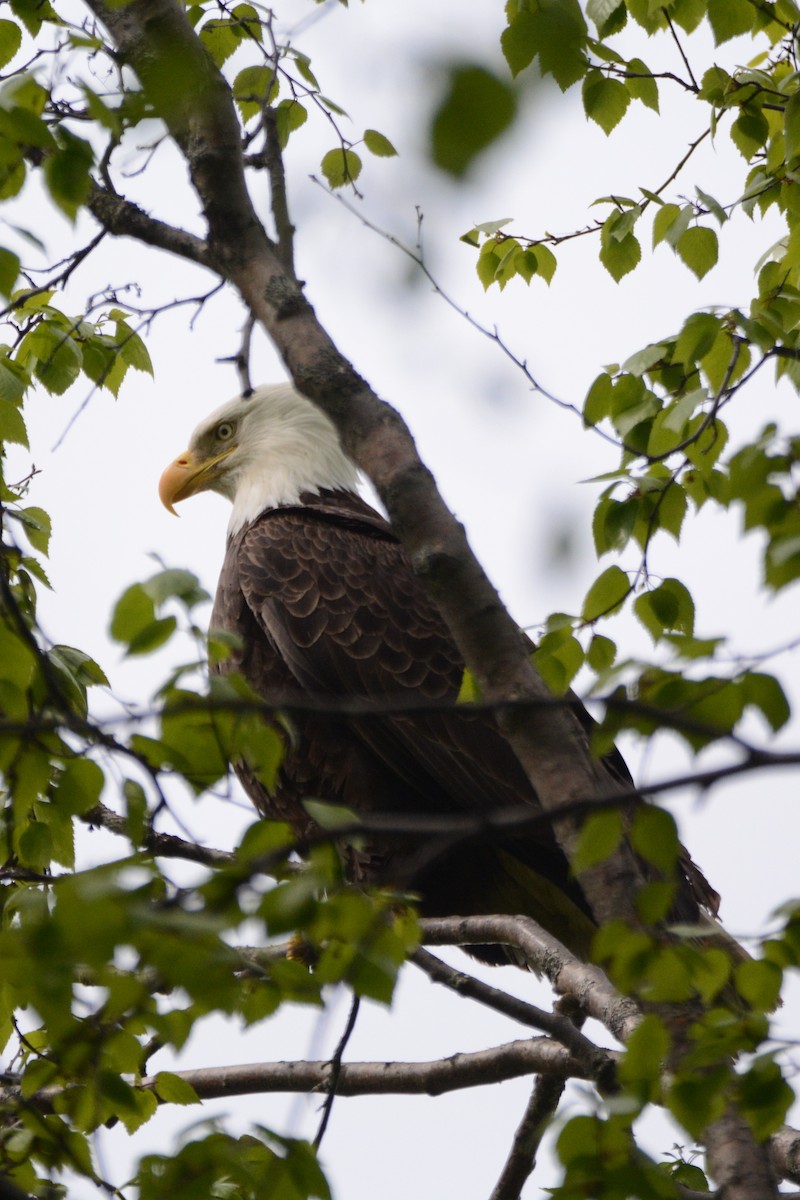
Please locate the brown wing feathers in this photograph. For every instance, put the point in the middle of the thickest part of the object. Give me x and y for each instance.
(329, 608)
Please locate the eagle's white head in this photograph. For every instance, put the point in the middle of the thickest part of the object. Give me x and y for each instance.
(261, 451)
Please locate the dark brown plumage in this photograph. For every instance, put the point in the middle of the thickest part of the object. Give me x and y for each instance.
(327, 610)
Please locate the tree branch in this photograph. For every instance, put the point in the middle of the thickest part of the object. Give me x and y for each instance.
(161, 845)
(123, 218)
(476, 1069)
(546, 956)
(596, 1062)
(539, 1111)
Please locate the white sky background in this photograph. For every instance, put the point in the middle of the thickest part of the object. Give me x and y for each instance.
(508, 461)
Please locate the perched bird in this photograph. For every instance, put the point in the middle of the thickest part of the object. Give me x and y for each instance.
(327, 609)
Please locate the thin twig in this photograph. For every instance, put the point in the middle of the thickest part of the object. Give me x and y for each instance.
(336, 1070)
(677, 41)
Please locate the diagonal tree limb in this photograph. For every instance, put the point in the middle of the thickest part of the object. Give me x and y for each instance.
(123, 218)
(539, 1111)
(546, 956)
(597, 1063)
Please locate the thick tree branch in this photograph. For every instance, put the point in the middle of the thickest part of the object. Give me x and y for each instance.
(786, 1153)
(509, 1061)
(546, 956)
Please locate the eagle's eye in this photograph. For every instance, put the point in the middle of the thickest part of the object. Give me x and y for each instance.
(224, 431)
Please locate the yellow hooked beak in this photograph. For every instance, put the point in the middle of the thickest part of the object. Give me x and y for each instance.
(188, 475)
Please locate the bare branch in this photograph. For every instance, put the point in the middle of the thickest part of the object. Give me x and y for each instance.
(123, 218)
(539, 1111)
(161, 845)
(546, 956)
(596, 1062)
(482, 1067)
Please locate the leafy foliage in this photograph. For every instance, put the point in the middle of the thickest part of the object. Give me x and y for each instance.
(134, 962)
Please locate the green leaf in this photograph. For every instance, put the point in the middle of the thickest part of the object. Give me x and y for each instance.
(654, 835)
(53, 354)
(289, 116)
(750, 131)
(12, 424)
(469, 692)
(173, 1089)
(667, 607)
(545, 261)
(765, 1097)
(36, 523)
(791, 127)
(601, 653)
(254, 88)
(606, 594)
(13, 380)
(17, 660)
(80, 665)
(714, 86)
(620, 257)
(604, 100)
(729, 18)
(597, 404)
(475, 110)
(688, 13)
(696, 338)
(132, 348)
(10, 41)
(175, 583)
(219, 39)
(670, 426)
(699, 249)
(555, 32)
(600, 835)
(341, 167)
(378, 144)
(759, 983)
(643, 88)
(712, 205)
(154, 635)
(665, 218)
(645, 1053)
(672, 510)
(66, 170)
(600, 11)
(9, 271)
(558, 658)
(765, 693)
(133, 613)
(331, 816)
(725, 362)
(643, 360)
(79, 786)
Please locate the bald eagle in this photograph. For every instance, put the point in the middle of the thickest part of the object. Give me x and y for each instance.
(327, 609)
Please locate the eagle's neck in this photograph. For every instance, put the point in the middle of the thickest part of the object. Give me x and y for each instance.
(300, 456)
